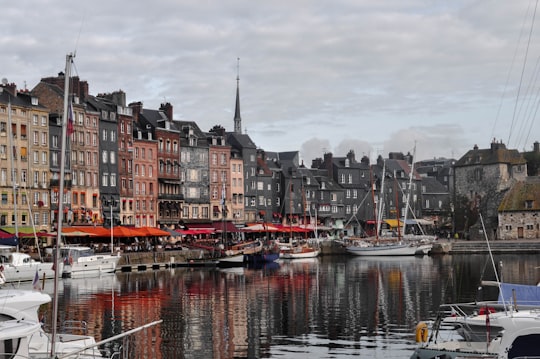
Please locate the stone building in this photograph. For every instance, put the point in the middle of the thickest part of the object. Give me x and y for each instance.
(519, 211)
(481, 178)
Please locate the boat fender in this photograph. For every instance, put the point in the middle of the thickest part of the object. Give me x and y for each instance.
(421, 332)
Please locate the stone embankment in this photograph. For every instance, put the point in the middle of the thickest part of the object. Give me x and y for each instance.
(163, 259)
(200, 258)
(521, 246)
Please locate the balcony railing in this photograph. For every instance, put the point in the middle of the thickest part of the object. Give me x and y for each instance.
(56, 183)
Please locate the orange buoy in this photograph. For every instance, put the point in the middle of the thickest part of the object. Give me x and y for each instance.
(421, 332)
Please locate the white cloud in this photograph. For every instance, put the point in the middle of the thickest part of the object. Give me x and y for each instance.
(372, 75)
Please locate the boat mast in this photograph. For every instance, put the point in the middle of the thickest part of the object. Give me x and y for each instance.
(13, 174)
(290, 212)
(304, 208)
(63, 147)
(380, 209)
(410, 190)
(397, 205)
(374, 203)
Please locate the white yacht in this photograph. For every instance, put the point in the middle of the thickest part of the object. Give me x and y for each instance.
(81, 261)
(18, 266)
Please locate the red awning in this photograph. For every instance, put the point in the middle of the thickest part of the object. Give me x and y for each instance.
(203, 226)
(221, 226)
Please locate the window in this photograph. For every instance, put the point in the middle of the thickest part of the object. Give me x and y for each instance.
(104, 156)
(113, 157)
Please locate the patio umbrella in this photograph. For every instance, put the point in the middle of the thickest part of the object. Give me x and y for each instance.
(121, 231)
(77, 234)
(152, 231)
(260, 227)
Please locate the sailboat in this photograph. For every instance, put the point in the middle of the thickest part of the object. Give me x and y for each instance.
(298, 251)
(506, 328)
(61, 344)
(393, 246)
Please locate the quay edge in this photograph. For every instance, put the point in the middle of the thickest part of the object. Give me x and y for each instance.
(141, 261)
(518, 246)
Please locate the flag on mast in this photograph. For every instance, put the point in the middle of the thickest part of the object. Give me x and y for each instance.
(70, 129)
(35, 282)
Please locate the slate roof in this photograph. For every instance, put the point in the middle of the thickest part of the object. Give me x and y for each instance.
(240, 140)
(21, 100)
(497, 153)
(156, 119)
(522, 194)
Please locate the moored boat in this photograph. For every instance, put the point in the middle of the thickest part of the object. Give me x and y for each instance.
(19, 267)
(504, 334)
(234, 260)
(81, 261)
(298, 252)
(401, 248)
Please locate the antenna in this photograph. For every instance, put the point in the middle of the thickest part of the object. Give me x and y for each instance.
(237, 69)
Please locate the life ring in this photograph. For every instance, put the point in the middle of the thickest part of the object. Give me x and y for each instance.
(421, 332)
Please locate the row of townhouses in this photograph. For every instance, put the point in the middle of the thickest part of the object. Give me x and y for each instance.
(129, 165)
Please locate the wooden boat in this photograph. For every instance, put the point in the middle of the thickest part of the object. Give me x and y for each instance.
(234, 260)
(298, 252)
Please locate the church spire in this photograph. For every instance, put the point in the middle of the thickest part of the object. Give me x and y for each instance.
(237, 118)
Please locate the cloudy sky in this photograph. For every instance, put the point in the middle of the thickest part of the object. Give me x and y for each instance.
(315, 76)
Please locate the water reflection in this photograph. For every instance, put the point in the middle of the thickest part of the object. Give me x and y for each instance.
(328, 307)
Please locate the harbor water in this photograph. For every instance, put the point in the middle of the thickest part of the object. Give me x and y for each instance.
(327, 307)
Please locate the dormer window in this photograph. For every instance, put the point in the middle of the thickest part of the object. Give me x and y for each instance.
(529, 204)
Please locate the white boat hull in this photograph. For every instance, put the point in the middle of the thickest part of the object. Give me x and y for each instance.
(236, 260)
(402, 249)
(298, 253)
(21, 273)
(91, 266)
